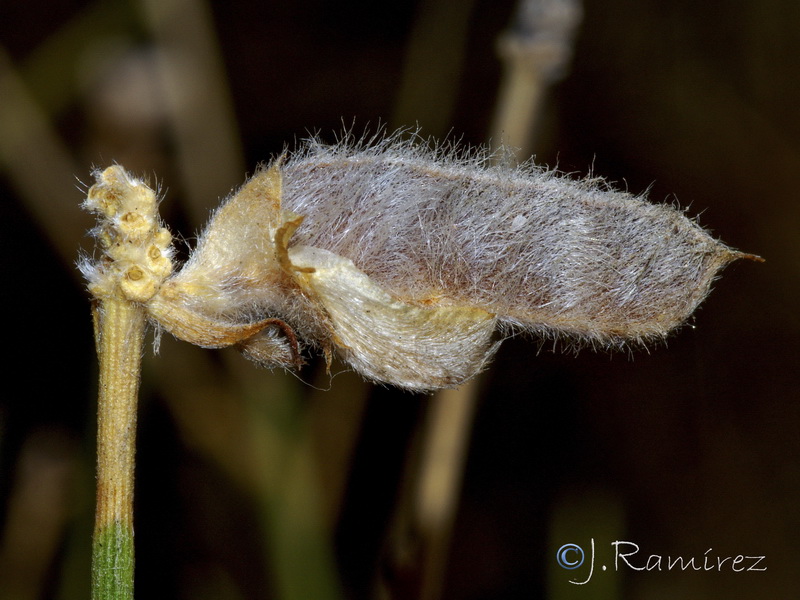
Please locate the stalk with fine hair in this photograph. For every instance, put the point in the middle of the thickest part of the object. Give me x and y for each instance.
(120, 335)
(137, 257)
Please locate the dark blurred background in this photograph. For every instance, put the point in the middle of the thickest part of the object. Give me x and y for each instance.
(253, 484)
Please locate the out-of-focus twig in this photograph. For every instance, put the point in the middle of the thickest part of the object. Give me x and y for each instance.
(535, 51)
(37, 513)
(444, 457)
(38, 164)
(201, 110)
(252, 424)
(56, 69)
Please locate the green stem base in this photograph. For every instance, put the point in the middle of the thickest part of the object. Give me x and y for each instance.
(112, 564)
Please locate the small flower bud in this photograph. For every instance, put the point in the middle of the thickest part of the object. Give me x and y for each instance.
(138, 255)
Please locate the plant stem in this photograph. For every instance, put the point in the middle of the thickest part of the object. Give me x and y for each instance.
(120, 337)
(136, 260)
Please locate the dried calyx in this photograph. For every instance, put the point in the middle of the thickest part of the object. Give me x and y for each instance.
(137, 248)
(404, 261)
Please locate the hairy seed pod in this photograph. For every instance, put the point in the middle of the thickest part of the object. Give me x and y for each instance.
(404, 261)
